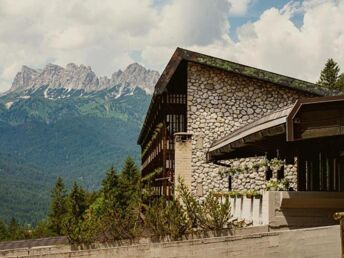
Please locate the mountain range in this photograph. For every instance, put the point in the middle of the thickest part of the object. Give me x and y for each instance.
(66, 122)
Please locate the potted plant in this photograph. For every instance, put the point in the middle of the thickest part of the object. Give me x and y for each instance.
(276, 164)
(239, 194)
(249, 193)
(277, 185)
(232, 194)
(257, 194)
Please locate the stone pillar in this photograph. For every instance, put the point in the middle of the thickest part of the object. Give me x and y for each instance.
(183, 155)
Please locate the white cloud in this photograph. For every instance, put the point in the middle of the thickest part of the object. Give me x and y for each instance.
(239, 7)
(35, 32)
(281, 46)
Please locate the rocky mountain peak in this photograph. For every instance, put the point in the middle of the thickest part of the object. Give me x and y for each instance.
(71, 66)
(137, 75)
(23, 79)
(83, 78)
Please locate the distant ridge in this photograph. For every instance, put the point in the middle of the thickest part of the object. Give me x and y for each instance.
(83, 78)
(66, 122)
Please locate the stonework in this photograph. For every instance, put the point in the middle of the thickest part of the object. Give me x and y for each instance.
(253, 176)
(219, 102)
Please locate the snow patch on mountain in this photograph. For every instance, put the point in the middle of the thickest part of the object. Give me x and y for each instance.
(8, 105)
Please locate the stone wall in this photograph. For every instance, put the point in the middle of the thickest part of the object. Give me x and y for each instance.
(220, 102)
(253, 177)
(311, 242)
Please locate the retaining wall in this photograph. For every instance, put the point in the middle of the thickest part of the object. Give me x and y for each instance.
(311, 242)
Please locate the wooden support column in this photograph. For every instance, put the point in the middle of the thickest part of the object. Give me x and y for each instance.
(301, 172)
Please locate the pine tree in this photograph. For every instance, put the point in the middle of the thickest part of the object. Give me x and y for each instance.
(340, 82)
(58, 207)
(129, 184)
(110, 185)
(15, 230)
(73, 224)
(3, 231)
(77, 202)
(329, 75)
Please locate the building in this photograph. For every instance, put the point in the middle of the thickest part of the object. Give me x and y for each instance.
(209, 115)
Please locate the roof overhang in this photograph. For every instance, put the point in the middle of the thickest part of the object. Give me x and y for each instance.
(181, 55)
(280, 129)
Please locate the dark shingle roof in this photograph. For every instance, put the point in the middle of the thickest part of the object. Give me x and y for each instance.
(190, 56)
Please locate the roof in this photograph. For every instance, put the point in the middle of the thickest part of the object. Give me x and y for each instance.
(190, 56)
(273, 124)
(273, 119)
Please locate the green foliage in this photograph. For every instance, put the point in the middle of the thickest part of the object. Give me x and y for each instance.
(329, 76)
(211, 214)
(340, 82)
(110, 184)
(73, 221)
(16, 231)
(76, 138)
(277, 185)
(129, 187)
(58, 207)
(167, 217)
(3, 231)
(253, 193)
(43, 229)
(117, 211)
(214, 214)
(274, 164)
(77, 202)
(24, 190)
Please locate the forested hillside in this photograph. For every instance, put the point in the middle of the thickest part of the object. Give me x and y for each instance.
(49, 132)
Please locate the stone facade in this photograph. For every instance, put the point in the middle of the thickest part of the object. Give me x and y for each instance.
(219, 102)
(253, 177)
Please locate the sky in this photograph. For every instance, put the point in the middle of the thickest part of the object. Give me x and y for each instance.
(293, 38)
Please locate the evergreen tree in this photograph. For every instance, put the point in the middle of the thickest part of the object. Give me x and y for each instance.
(329, 75)
(43, 229)
(73, 223)
(58, 207)
(340, 82)
(15, 230)
(77, 202)
(3, 231)
(110, 185)
(129, 184)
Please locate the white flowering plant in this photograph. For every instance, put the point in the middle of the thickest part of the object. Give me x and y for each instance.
(277, 185)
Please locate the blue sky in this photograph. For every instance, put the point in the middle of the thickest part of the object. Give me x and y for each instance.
(294, 38)
(255, 10)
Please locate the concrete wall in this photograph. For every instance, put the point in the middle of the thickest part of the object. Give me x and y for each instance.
(218, 103)
(253, 210)
(183, 150)
(303, 209)
(288, 210)
(312, 242)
